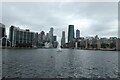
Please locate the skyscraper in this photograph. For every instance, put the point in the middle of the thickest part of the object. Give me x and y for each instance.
(77, 33)
(51, 35)
(63, 38)
(70, 33)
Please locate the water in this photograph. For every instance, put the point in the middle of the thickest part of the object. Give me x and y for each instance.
(48, 63)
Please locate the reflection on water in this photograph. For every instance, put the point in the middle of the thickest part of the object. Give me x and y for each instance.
(47, 63)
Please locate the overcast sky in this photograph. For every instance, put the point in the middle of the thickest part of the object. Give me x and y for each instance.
(91, 18)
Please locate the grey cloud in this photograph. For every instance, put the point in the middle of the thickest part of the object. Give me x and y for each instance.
(43, 15)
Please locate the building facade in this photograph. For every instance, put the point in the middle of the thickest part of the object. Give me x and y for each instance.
(18, 36)
(118, 44)
(47, 37)
(113, 42)
(70, 33)
(63, 39)
(51, 35)
(4, 41)
(77, 33)
(55, 43)
(2, 35)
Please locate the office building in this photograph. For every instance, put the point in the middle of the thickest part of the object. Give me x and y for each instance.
(113, 42)
(2, 30)
(70, 33)
(63, 39)
(20, 36)
(77, 33)
(103, 42)
(55, 43)
(4, 41)
(2, 35)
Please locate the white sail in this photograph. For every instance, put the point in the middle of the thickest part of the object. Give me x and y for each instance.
(59, 48)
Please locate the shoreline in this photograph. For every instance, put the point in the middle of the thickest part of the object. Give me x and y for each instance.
(61, 48)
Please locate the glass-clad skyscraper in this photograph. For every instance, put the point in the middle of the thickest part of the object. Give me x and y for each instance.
(70, 33)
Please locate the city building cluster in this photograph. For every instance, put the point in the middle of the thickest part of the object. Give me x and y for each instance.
(26, 38)
(90, 43)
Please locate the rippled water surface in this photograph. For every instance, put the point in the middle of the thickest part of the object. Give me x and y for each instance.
(48, 63)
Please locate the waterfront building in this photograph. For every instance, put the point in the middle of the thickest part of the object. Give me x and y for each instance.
(103, 42)
(4, 41)
(2, 30)
(70, 33)
(19, 36)
(95, 42)
(98, 44)
(107, 43)
(113, 42)
(63, 39)
(89, 43)
(77, 33)
(81, 43)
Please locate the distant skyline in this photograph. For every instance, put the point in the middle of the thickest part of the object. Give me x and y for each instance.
(91, 18)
